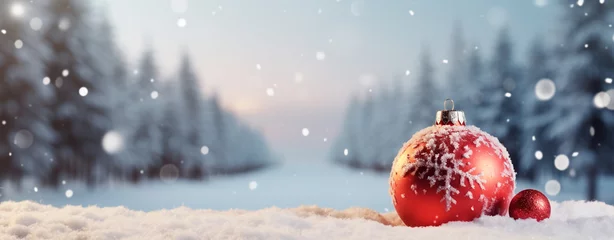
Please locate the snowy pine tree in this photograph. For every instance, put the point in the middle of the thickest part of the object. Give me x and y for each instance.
(345, 148)
(222, 144)
(457, 83)
(474, 81)
(170, 128)
(425, 95)
(118, 97)
(499, 110)
(81, 107)
(538, 115)
(26, 135)
(365, 143)
(380, 136)
(583, 94)
(144, 108)
(194, 126)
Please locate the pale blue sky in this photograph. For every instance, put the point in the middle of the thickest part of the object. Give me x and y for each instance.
(361, 40)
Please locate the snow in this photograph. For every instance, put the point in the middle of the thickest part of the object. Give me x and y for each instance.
(320, 56)
(561, 162)
(83, 91)
(181, 22)
(17, 9)
(253, 185)
(305, 132)
(68, 193)
(204, 150)
(553, 187)
(545, 89)
(23, 139)
(18, 44)
(154, 94)
(270, 92)
(569, 220)
(601, 99)
(36, 24)
(112, 142)
(539, 155)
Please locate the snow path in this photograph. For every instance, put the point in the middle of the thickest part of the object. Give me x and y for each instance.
(29, 220)
(285, 186)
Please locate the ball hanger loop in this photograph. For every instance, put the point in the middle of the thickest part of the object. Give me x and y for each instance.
(447, 102)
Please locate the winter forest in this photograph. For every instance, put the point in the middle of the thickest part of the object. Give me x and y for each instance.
(554, 113)
(306, 119)
(72, 109)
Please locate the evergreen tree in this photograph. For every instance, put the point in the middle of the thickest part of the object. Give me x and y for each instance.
(171, 135)
(194, 129)
(144, 109)
(221, 145)
(348, 137)
(457, 82)
(365, 143)
(379, 134)
(118, 94)
(475, 79)
(78, 74)
(587, 61)
(423, 94)
(500, 108)
(538, 115)
(26, 135)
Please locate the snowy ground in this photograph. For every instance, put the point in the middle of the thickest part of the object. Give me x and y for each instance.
(570, 220)
(270, 201)
(286, 186)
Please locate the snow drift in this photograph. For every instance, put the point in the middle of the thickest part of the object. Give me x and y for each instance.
(30, 220)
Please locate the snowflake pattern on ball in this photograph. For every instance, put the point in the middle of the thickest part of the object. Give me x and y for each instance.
(446, 167)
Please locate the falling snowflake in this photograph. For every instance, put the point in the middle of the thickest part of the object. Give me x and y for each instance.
(444, 169)
(253, 185)
(18, 44)
(68, 193)
(181, 22)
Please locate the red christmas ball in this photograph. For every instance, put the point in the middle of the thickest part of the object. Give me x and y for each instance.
(451, 172)
(530, 203)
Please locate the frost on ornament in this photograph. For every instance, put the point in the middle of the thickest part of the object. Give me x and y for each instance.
(443, 171)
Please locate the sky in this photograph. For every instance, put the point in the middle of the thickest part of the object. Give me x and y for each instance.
(285, 65)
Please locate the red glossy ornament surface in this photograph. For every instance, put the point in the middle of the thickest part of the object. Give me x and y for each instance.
(451, 173)
(530, 203)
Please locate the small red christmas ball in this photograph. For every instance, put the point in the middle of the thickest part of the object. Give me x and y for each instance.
(451, 172)
(530, 203)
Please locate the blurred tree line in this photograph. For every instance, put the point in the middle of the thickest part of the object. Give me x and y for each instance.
(70, 109)
(507, 99)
